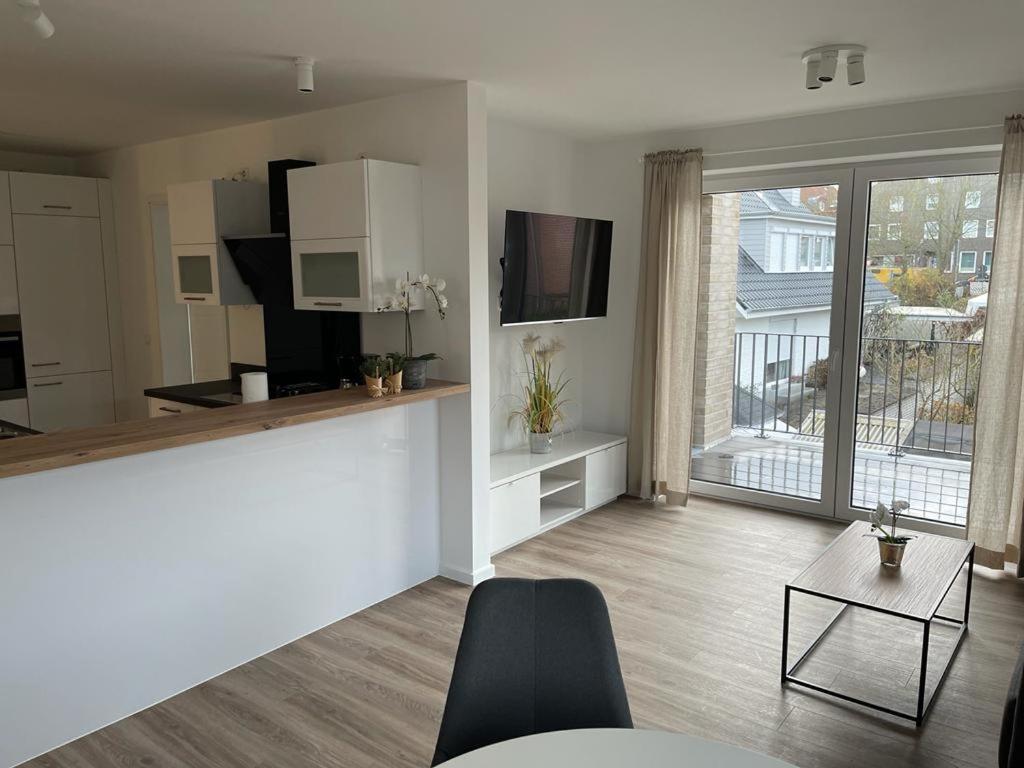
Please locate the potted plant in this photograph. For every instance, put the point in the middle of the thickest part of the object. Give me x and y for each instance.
(890, 545)
(394, 365)
(372, 368)
(415, 371)
(541, 402)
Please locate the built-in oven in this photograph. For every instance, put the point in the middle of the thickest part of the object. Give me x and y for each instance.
(12, 361)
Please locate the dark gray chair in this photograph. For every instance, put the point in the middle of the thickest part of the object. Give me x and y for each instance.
(1011, 737)
(535, 656)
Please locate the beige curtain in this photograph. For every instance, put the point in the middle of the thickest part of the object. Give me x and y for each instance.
(666, 321)
(997, 481)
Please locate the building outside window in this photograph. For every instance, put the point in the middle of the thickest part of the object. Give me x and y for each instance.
(986, 262)
(873, 232)
(990, 228)
(970, 228)
(968, 261)
(896, 204)
(776, 371)
(972, 198)
(894, 231)
(931, 230)
(931, 202)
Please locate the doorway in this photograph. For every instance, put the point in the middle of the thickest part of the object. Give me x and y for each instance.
(841, 316)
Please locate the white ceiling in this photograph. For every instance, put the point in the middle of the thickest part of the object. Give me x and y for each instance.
(121, 72)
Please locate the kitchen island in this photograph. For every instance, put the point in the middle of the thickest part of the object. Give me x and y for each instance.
(142, 558)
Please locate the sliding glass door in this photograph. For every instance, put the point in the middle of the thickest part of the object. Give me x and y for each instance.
(925, 232)
(841, 334)
(765, 416)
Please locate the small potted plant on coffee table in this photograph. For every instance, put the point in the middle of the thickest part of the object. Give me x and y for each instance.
(890, 544)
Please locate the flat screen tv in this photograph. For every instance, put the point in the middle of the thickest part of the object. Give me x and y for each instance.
(555, 268)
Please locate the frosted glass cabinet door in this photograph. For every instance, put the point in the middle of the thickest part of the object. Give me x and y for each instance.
(332, 274)
(195, 274)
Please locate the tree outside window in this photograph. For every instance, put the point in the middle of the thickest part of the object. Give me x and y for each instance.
(931, 230)
(970, 228)
(931, 202)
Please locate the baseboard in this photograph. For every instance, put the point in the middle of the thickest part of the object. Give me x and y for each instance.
(466, 577)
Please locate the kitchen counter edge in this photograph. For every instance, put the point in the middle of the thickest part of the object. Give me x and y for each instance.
(70, 447)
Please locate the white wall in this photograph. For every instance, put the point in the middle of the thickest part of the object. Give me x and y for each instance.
(129, 580)
(528, 170)
(609, 181)
(443, 130)
(32, 162)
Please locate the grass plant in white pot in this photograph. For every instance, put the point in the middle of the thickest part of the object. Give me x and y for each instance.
(541, 400)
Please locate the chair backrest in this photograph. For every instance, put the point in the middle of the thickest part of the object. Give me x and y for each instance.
(534, 656)
(1011, 737)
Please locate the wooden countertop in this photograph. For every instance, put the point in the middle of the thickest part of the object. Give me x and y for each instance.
(65, 448)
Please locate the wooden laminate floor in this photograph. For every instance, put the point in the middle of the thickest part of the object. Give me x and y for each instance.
(696, 602)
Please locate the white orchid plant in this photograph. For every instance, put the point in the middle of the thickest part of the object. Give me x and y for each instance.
(402, 302)
(881, 512)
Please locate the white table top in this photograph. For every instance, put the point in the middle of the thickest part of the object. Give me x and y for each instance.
(613, 748)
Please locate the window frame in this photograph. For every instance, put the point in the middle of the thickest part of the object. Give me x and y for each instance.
(960, 263)
(972, 194)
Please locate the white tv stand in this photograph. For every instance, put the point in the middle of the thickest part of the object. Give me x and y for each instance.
(534, 492)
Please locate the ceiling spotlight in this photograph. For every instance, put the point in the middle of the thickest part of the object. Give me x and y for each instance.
(822, 63)
(827, 66)
(855, 69)
(33, 15)
(812, 74)
(304, 74)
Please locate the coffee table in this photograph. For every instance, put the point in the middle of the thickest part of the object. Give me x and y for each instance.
(849, 572)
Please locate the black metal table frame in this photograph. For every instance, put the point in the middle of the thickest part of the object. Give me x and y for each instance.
(924, 702)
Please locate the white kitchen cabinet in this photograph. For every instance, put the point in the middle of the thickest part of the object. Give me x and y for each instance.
(15, 411)
(201, 214)
(69, 401)
(605, 475)
(6, 232)
(50, 195)
(355, 228)
(515, 511)
(160, 408)
(8, 282)
(62, 291)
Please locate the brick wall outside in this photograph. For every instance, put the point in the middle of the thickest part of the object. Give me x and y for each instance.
(716, 319)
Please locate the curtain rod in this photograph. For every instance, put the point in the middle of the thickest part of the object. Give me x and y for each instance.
(829, 142)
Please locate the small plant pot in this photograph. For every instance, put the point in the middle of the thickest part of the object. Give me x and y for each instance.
(374, 386)
(890, 553)
(415, 374)
(540, 442)
(395, 383)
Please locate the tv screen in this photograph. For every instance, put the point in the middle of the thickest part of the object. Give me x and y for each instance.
(555, 268)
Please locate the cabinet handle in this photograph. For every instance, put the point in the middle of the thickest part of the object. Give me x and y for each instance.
(170, 410)
(9, 338)
(57, 207)
(327, 303)
(44, 365)
(49, 384)
(194, 298)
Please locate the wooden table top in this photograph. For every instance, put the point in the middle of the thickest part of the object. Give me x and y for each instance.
(67, 447)
(849, 570)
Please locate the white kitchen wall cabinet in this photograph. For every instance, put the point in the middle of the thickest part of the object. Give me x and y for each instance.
(355, 227)
(49, 195)
(8, 281)
(534, 492)
(201, 214)
(70, 401)
(6, 231)
(62, 292)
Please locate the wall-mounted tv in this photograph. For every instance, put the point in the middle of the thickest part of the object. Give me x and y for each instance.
(555, 268)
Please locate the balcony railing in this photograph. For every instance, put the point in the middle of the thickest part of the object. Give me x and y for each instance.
(914, 395)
